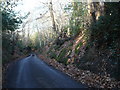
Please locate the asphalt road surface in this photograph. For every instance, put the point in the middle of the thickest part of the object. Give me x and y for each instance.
(31, 72)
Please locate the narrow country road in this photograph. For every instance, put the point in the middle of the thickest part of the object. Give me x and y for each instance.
(31, 72)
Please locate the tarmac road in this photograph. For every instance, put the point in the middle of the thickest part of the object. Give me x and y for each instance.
(31, 72)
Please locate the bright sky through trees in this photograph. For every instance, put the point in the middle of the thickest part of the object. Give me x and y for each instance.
(37, 8)
(29, 5)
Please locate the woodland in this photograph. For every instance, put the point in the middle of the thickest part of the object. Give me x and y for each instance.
(82, 39)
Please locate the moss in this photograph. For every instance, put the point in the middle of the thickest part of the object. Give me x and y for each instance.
(52, 55)
(56, 47)
(61, 57)
(71, 44)
(63, 60)
(77, 48)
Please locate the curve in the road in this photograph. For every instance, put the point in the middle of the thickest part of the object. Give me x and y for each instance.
(31, 72)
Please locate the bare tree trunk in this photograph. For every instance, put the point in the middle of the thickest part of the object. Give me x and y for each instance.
(52, 16)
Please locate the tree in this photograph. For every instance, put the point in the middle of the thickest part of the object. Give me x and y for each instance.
(10, 23)
(52, 17)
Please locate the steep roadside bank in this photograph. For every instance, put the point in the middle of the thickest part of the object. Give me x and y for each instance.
(83, 76)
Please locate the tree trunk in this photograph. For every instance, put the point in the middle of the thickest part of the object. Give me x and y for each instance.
(52, 16)
(95, 9)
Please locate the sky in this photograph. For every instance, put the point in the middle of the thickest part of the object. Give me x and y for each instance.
(26, 6)
(30, 5)
(36, 7)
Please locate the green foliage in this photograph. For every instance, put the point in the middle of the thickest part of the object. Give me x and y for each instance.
(61, 57)
(56, 47)
(105, 37)
(76, 22)
(71, 44)
(78, 47)
(52, 55)
(107, 28)
(10, 22)
(6, 57)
